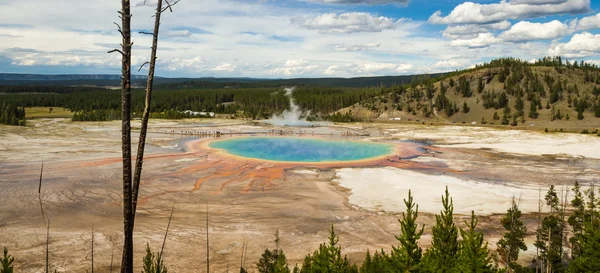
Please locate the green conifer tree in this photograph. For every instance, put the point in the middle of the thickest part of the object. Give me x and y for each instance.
(549, 236)
(407, 256)
(273, 261)
(6, 262)
(576, 220)
(474, 255)
(441, 256)
(328, 258)
(513, 240)
(153, 262)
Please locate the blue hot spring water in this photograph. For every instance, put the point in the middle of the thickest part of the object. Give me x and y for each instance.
(292, 149)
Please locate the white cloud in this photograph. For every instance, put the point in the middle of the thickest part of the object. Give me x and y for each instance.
(347, 23)
(369, 2)
(481, 40)
(537, 2)
(254, 36)
(225, 67)
(355, 47)
(451, 64)
(581, 45)
(588, 23)
(371, 69)
(178, 33)
(294, 68)
(470, 31)
(527, 31)
(594, 62)
(193, 64)
(474, 13)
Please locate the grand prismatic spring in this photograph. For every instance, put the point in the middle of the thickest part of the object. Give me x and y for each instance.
(294, 149)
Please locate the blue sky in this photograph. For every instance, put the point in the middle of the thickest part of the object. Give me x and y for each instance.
(303, 38)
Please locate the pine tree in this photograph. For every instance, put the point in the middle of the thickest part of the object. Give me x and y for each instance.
(589, 260)
(6, 262)
(465, 107)
(273, 261)
(474, 255)
(407, 256)
(533, 110)
(441, 256)
(328, 258)
(549, 236)
(576, 220)
(480, 85)
(152, 262)
(367, 265)
(512, 242)
(505, 119)
(380, 262)
(148, 262)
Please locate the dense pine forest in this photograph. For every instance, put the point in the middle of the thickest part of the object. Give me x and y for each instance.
(504, 92)
(567, 240)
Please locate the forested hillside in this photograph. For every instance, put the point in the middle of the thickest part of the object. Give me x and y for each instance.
(505, 91)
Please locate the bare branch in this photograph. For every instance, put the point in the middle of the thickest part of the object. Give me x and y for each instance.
(142, 66)
(169, 6)
(146, 33)
(117, 50)
(119, 28)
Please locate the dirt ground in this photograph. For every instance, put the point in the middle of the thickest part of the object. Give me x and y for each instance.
(249, 200)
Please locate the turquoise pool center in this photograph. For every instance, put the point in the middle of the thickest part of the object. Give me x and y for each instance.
(297, 149)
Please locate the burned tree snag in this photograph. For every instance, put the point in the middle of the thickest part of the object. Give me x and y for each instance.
(131, 184)
(125, 30)
(139, 161)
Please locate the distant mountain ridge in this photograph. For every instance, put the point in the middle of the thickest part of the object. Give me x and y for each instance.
(103, 80)
(61, 77)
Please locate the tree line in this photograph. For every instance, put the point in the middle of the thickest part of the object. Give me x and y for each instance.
(11, 114)
(255, 103)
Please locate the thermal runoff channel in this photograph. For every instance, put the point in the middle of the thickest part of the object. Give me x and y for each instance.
(294, 149)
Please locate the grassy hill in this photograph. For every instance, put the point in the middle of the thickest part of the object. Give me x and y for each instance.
(549, 93)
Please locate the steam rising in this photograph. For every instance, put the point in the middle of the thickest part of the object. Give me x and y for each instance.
(291, 117)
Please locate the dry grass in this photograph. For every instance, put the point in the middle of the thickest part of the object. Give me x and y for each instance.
(44, 112)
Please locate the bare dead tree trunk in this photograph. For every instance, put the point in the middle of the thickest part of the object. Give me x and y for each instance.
(41, 172)
(125, 30)
(92, 248)
(112, 256)
(537, 249)
(131, 185)
(242, 258)
(40, 194)
(47, 246)
(139, 160)
(563, 227)
(207, 245)
(166, 234)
